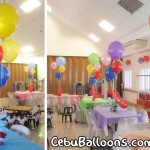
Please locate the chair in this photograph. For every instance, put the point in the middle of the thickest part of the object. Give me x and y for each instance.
(79, 115)
(30, 100)
(40, 101)
(140, 126)
(65, 102)
(67, 113)
(144, 115)
(12, 99)
(22, 130)
(49, 118)
(51, 103)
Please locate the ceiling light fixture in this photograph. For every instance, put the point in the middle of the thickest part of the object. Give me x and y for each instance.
(29, 5)
(49, 9)
(27, 49)
(94, 38)
(106, 25)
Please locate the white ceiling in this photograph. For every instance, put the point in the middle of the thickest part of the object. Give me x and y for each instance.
(31, 28)
(85, 15)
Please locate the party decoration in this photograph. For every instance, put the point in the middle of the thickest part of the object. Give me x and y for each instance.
(32, 71)
(60, 61)
(62, 69)
(10, 50)
(58, 75)
(106, 60)
(90, 68)
(92, 80)
(8, 20)
(110, 75)
(97, 66)
(128, 62)
(114, 106)
(117, 66)
(146, 58)
(59, 92)
(53, 65)
(1, 53)
(93, 58)
(31, 88)
(97, 75)
(140, 60)
(30, 76)
(26, 69)
(31, 65)
(4, 75)
(116, 50)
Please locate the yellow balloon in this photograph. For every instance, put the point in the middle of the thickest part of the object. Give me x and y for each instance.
(32, 71)
(62, 69)
(8, 20)
(10, 50)
(90, 68)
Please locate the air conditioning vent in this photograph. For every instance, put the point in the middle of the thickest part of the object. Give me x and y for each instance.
(134, 44)
(130, 5)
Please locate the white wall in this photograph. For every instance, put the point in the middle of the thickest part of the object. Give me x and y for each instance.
(64, 41)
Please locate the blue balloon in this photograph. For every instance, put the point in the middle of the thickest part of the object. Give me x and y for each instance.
(58, 75)
(60, 61)
(4, 75)
(3, 116)
(30, 76)
(110, 75)
(92, 79)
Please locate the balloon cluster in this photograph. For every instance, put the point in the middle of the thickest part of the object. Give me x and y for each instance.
(93, 68)
(115, 52)
(30, 69)
(3, 133)
(59, 64)
(141, 60)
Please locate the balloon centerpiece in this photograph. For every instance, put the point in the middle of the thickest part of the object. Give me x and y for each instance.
(60, 62)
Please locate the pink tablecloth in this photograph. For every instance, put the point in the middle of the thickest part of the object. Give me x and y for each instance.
(72, 99)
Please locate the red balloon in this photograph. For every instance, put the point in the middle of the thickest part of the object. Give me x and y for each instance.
(31, 88)
(117, 66)
(1, 53)
(59, 92)
(63, 73)
(128, 62)
(146, 58)
(97, 75)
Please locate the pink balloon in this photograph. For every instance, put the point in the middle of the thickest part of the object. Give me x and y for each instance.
(97, 66)
(26, 68)
(54, 65)
(106, 60)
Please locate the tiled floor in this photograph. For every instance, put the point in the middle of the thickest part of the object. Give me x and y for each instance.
(69, 130)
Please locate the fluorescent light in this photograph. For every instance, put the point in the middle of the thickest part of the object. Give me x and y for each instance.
(106, 25)
(94, 38)
(27, 49)
(29, 5)
(49, 9)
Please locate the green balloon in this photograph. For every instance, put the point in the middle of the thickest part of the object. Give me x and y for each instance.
(93, 58)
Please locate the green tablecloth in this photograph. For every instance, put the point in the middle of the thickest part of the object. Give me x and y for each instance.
(89, 102)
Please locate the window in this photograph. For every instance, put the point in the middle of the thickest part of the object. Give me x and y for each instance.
(128, 79)
(145, 79)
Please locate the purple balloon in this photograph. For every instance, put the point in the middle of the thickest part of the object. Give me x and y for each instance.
(116, 50)
(141, 60)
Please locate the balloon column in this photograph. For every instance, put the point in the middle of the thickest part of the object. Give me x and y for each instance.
(3, 133)
(60, 72)
(93, 69)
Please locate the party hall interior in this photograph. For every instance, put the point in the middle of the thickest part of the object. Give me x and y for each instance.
(22, 74)
(98, 71)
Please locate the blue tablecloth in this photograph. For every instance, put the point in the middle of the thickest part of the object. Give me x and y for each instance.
(17, 142)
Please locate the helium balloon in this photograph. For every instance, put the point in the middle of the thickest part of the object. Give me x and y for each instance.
(26, 68)
(30, 76)
(146, 58)
(10, 50)
(31, 65)
(97, 66)
(4, 75)
(60, 61)
(92, 79)
(54, 65)
(128, 62)
(32, 71)
(63, 73)
(106, 60)
(62, 69)
(8, 20)
(117, 66)
(116, 50)
(59, 92)
(58, 75)
(90, 68)
(93, 58)
(110, 75)
(1, 53)
(97, 75)
(140, 60)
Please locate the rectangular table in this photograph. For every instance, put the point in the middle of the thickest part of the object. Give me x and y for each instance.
(19, 108)
(89, 102)
(17, 142)
(104, 117)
